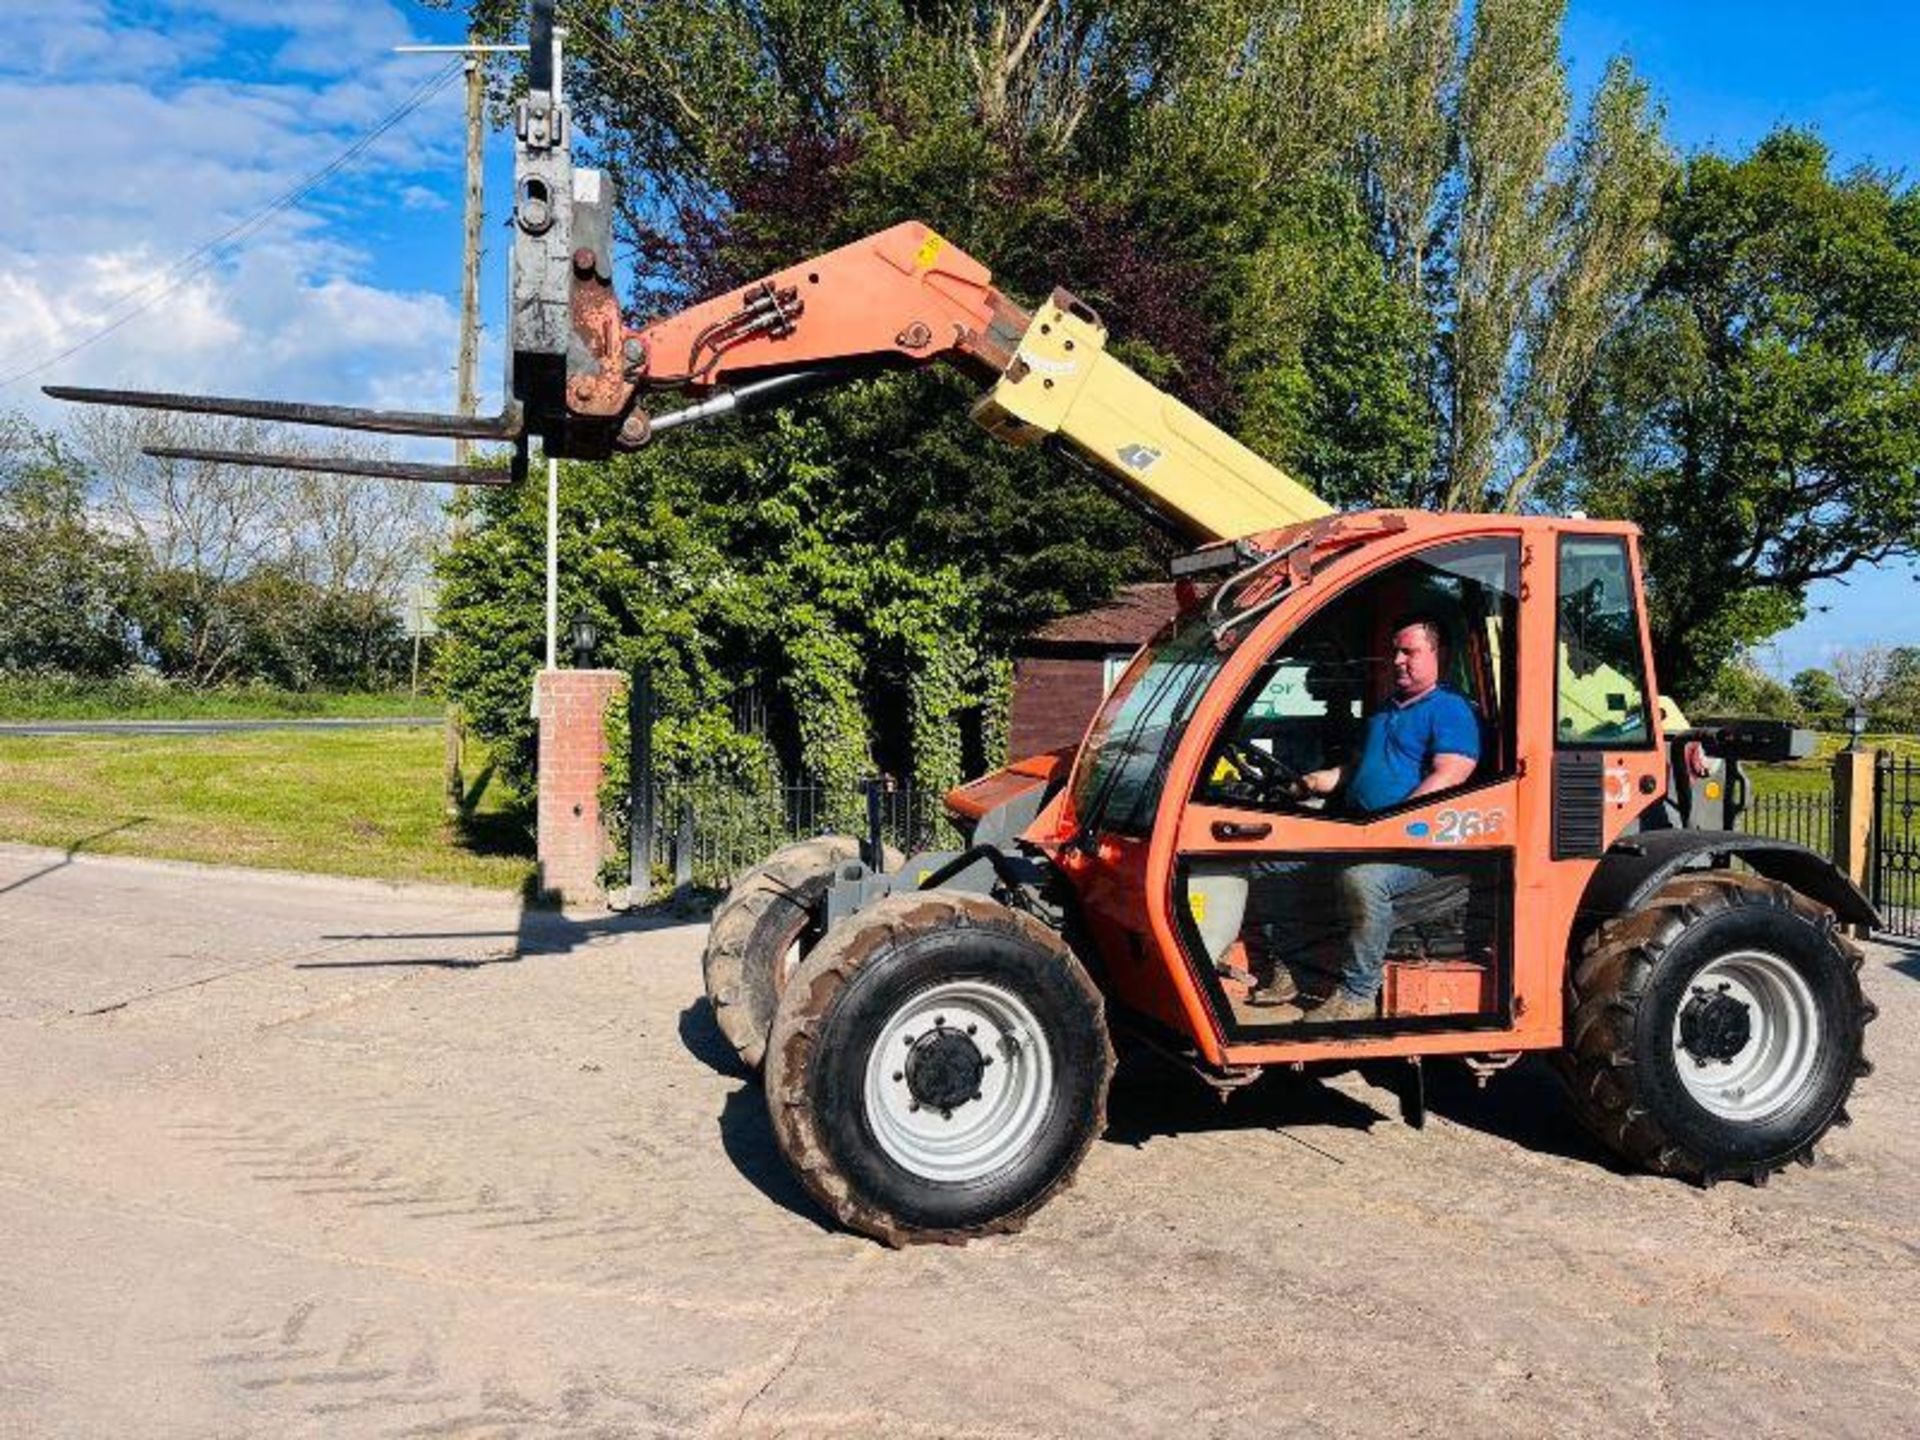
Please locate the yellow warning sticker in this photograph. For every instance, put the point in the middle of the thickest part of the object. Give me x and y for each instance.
(1197, 903)
(928, 252)
(923, 876)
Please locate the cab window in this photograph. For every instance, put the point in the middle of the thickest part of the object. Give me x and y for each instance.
(1600, 694)
(1308, 706)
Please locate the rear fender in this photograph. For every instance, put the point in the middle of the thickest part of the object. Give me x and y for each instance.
(1638, 865)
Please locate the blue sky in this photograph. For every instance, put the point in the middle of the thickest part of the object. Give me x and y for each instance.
(1729, 73)
(136, 130)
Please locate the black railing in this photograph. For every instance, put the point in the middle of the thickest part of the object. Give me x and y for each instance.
(1894, 857)
(706, 833)
(1804, 819)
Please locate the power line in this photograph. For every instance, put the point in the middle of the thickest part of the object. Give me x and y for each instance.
(197, 260)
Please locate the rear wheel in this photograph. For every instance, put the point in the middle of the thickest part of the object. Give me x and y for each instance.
(1717, 1032)
(773, 915)
(938, 1068)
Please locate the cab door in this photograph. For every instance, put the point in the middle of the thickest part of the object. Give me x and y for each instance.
(1265, 878)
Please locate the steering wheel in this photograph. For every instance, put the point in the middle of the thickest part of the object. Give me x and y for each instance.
(1273, 777)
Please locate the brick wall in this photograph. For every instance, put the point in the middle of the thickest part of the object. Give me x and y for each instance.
(1053, 702)
(573, 750)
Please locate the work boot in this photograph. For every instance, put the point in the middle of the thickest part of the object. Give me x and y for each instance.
(1340, 1007)
(1278, 989)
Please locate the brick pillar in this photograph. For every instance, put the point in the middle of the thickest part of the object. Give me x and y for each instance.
(573, 754)
(1853, 816)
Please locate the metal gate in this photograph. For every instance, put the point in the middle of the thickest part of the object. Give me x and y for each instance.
(1895, 853)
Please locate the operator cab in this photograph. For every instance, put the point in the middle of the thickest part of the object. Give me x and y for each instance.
(1305, 710)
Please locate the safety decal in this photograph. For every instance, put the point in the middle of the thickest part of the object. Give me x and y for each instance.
(1139, 457)
(928, 252)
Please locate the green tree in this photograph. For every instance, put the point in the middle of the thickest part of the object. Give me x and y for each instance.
(1362, 234)
(1741, 687)
(1898, 706)
(1759, 415)
(1818, 694)
(65, 583)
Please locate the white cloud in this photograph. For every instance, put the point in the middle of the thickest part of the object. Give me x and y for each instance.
(144, 133)
(73, 37)
(264, 329)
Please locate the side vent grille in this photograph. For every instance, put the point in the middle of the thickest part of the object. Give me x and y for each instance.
(1579, 804)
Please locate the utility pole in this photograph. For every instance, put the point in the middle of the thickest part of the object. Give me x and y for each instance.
(454, 782)
(470, 276)
(453, 730)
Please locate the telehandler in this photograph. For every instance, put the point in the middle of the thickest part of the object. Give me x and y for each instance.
(935, 1033)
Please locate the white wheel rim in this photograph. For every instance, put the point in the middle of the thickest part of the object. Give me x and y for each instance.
(1770, 1071)
(979, 1135)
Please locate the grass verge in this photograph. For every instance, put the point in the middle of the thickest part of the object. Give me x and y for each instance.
(57, 698)
(1814, 775)
(356, 802)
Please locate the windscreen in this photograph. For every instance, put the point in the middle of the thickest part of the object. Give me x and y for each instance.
(1124, 763)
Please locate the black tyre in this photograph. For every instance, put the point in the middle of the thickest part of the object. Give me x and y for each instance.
(769, 919)
(1716, 1033)
(938, 1068)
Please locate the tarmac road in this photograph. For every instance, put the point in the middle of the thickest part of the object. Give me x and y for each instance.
(288, 1157)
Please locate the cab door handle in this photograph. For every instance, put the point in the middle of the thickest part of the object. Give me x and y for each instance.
(1239, 830)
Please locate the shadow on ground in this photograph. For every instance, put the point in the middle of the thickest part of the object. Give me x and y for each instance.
(746, 1132)
(705, 1043)
(1527, 1105)
(72, 850)
(1151, 1098)
(1909, 952)
(539, 933)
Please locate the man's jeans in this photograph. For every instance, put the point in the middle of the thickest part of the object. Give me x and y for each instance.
(1329, 915)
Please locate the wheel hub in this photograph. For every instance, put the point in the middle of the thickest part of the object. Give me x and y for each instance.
(944, 1068)
(1714, 1026)
(959, 1080)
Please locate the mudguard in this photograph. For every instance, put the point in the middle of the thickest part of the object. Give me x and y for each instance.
(1637, 865)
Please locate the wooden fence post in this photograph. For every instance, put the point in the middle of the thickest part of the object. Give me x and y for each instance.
(1853, 817)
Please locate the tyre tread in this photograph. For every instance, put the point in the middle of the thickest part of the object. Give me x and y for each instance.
(729, 956)
(811, 995)
(1607, 985)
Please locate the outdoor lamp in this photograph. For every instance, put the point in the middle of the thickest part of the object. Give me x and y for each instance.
(1856, 724)
(586, 635)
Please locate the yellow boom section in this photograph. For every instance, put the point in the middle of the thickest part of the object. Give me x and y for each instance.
(1063, 383)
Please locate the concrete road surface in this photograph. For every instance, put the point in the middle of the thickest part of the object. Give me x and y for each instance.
(289, 1158)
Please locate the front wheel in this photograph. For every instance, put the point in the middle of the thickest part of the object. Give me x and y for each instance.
(938, 1068)
(1717, 1032)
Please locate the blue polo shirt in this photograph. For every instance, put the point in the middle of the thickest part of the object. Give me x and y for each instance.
(1400, 742)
